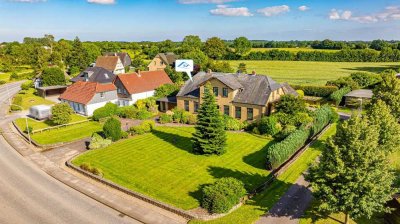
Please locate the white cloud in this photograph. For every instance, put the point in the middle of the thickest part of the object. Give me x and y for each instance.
(388, 14)
(205, 1)
(274, 10)
(28, 1)
(224, 10)
(304, 8)
(102, 2)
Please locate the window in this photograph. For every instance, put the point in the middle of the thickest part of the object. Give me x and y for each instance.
(196, 106)
(238, 112)
(215, 91)
(186, 105)
(102, 95)
(119, 90)
(249, 113)
(226, 110)
(224, 92)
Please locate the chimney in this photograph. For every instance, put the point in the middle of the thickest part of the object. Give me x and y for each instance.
(253, 73)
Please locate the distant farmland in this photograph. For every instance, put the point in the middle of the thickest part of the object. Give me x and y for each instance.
(309, 72)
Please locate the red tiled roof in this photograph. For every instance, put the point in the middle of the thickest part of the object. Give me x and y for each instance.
(83, 92)
(107, 62)
(147, 81)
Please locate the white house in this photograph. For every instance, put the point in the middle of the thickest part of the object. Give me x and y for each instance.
(111, 63)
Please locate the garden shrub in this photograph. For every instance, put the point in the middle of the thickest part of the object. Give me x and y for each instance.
(90, 169)
(269, 126)
(14, 76)
(2, 82)
(127, 112)
(112, 129)
(192, 119)
(124, 134)
(177, 115)
(221, 196)
(145, 127)
(183, 117)
(28, 129)
(108, 110)
(26, 85)
(290, 104)
(232, 124)
(338, 95)
(364, 79)
(165, 118)
(98, 142)
(321, 91)
(279, 152)
(61, 113)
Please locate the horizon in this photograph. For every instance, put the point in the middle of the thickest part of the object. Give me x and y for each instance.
(140, 21)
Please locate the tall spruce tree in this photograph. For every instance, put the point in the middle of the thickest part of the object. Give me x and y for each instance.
(210, 136)
(353, 175)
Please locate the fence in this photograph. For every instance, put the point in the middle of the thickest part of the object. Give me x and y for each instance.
(59, 126)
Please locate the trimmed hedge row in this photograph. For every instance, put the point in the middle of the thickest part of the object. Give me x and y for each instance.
(322, 117)
(320, 91)
(338, 95)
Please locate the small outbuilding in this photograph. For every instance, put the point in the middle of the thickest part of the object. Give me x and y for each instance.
(40, 112)
(354, 98)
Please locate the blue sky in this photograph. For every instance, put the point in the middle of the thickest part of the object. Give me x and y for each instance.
(139, 20)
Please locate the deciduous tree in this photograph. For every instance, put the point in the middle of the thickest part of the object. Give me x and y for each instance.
(215, 48)
(241, 45)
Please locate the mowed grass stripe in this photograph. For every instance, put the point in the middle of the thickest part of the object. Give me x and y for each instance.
(162, 165)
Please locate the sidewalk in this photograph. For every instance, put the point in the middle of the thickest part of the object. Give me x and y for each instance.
(127, 205)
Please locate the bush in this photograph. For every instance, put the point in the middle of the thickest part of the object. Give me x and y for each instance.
(98, 142)
(165, 118)
(183, 117)
(364, 79)
(124, 134)
(221, 196)
(108, 110)
(143, 114)
(320, 91)
(338, 95)
(269, 125)
(279, 152)
(14, 76)
(144, 127)
(192, 119)
(127, 112)
(61, 113)
(90, 169)
(2, 82)
(17, 101)
(112, 129)
(28, 130)
(232, 124)
(53, 76)
(290, 104)
(26, 85)
(288, 130)
(177, 116)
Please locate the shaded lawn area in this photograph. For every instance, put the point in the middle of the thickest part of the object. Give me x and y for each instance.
(29, 99)
(67, 134)
(162, 166)
(261, 203)
(310, 72)
(37, 125)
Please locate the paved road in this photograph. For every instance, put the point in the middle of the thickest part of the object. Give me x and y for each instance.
(28, 195)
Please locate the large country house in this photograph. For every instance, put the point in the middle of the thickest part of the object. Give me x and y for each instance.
(161, 61)
(242, 96)
(86, 95)
(111, 63)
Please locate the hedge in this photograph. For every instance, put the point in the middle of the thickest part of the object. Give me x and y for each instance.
(320, 91)
(108, 110)
(322, 117)
(338, 95)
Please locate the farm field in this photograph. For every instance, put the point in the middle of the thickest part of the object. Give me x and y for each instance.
(67, 134)
(309, 72)
(167, 170)
(294, 50)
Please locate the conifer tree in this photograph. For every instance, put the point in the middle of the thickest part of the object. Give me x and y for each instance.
(354, 174)
(210, 136)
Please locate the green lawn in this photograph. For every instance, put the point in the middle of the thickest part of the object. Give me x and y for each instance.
(294, 50)
(29, 99)
(161, 165)
(309, 72)
(67, 134)
(260, 204)
(37, 125)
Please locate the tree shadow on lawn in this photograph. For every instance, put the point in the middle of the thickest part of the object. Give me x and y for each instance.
(181, 142)
(258, 159)
(377, 69)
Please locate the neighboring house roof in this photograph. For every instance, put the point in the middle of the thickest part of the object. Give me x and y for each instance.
(252, 89)
(107, 62)
(146, 81)
(287, 89)
(360, 93)
(95, 74)
(168, 58)
(83, 92)
(123, 56)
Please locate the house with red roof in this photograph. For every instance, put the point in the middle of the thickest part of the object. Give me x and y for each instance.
(135, 86)
(86, 96)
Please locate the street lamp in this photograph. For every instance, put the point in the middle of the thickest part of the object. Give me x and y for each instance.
(26, 122)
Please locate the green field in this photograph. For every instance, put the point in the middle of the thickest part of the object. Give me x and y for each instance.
(67, 134)
(37, 125)
(309, 72)
(263, 202)
(294, 50)
(161, 164)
